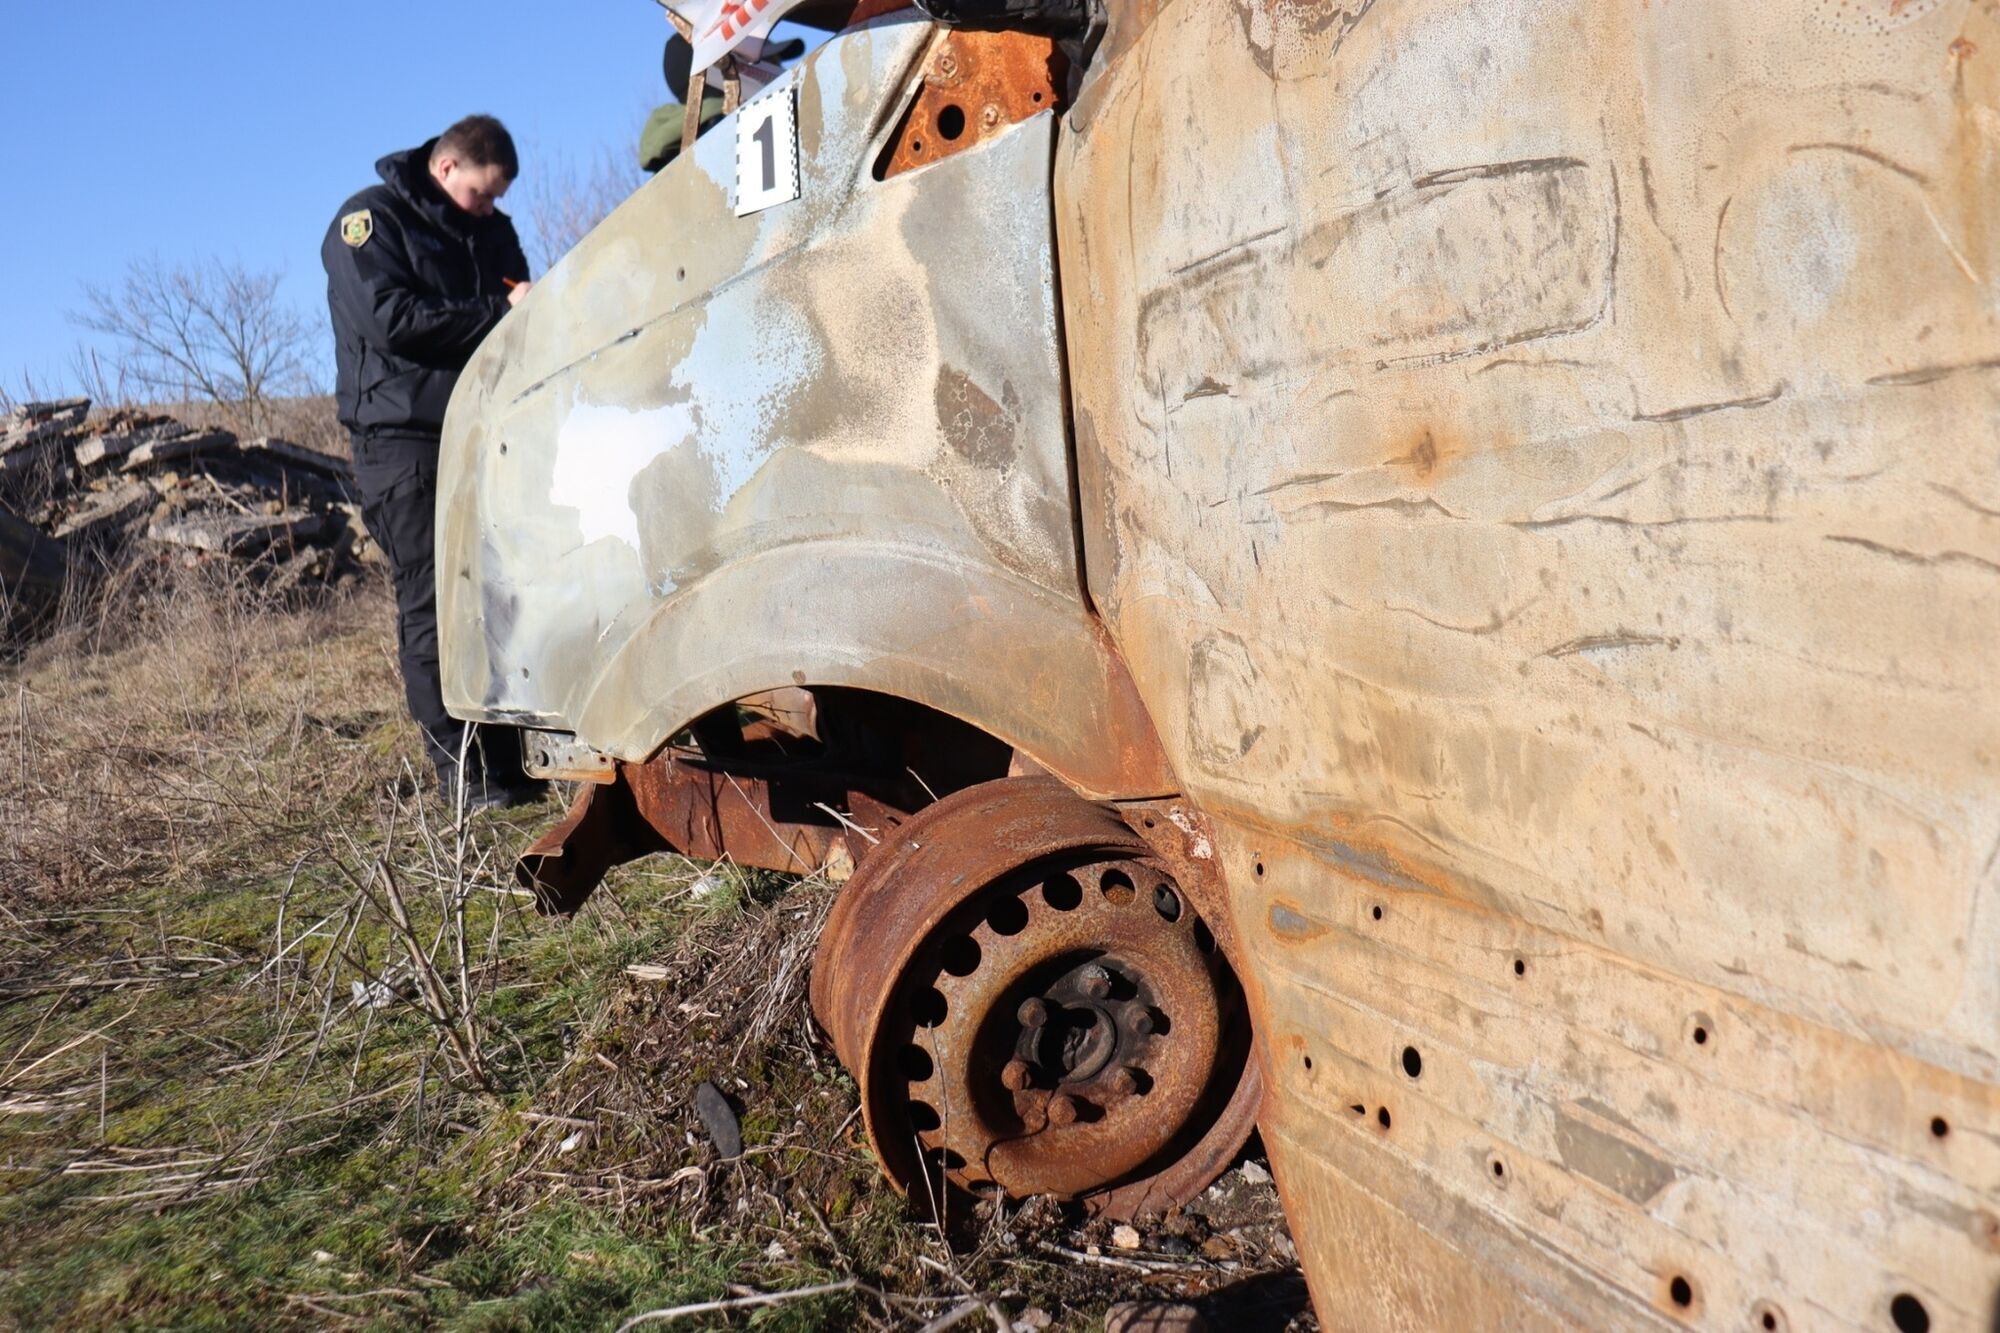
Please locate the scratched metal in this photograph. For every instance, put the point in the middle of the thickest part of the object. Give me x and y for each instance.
(823, 444)
(1538, 461)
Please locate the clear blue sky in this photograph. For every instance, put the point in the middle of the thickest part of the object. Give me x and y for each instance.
(235, 128)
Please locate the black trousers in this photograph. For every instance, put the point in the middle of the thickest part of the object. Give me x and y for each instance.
(396, 474)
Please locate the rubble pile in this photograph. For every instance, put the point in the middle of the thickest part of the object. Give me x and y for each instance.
(78, 497)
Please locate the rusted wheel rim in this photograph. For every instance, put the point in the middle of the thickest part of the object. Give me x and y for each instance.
(1033, 1005)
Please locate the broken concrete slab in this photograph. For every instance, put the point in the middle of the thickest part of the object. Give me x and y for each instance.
(114, 445)
(236, 534)
(109, 511)
(33, 423)
(178, 448)
(284, 451)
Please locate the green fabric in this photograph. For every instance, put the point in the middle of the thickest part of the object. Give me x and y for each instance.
(660, 141)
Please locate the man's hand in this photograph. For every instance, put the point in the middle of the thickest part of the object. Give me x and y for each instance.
(517, 290)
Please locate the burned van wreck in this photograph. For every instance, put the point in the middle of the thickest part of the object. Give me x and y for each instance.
(1418, 577)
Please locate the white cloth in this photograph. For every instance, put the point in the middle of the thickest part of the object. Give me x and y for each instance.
(722, 26)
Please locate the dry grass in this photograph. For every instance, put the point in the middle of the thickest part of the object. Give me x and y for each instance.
(280, 1045)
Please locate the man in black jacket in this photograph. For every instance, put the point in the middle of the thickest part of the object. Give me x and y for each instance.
(419, 270)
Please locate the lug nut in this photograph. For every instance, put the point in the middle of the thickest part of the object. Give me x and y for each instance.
(1033, 1013)
(1062, 1111)
(1122, 1081)
(1016, 1075)
(1095, 981)
(1140, 1020)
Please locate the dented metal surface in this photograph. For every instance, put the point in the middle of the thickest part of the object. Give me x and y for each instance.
(1538, 461)
(823, 444)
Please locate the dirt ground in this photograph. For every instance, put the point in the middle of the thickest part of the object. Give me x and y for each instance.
(281, 1045)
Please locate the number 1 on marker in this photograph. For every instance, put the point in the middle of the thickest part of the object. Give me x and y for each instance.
(767, 151)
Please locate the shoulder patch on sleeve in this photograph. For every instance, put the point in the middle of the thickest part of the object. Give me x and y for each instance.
(356, 228)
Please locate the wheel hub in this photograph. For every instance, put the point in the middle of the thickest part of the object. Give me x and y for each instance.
(1032, 1014)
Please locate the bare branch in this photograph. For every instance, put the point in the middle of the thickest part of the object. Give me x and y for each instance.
(565, 201)
(203, 332)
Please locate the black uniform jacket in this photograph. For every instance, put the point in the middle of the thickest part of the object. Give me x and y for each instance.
(414, 282)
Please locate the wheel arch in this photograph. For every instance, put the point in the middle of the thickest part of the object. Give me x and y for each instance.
(1030, 667)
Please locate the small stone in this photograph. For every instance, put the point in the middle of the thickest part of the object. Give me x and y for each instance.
(1126, 1237)
(1032, 1320)
(1254, 1173)
(776, 1251)
(719, 1119)
(323, 1256)
(1153, 1317)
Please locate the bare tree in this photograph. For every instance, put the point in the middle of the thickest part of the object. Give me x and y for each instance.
(565, 201)
(202, 332)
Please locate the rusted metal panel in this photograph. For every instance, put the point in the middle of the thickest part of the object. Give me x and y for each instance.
(1538, 461)
(823, 444)
(975, 84)
(777, 817)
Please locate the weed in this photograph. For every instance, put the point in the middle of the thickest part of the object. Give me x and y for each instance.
(281, 1043)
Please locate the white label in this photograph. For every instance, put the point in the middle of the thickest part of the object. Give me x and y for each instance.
(767, 151)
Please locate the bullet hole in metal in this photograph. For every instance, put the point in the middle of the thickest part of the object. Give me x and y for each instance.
(1939, 1126)
(1701, 1036)
(1909, 1314)
(1520, 967)
(1413, 1062)
(1257, 867)
(950, 122)
(1682, 1291)
(1376, 911)
(1382, 1117)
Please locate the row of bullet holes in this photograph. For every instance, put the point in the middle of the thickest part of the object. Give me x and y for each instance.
(1907, 1311)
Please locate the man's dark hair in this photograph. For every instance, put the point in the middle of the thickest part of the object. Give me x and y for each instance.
(481, 141)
